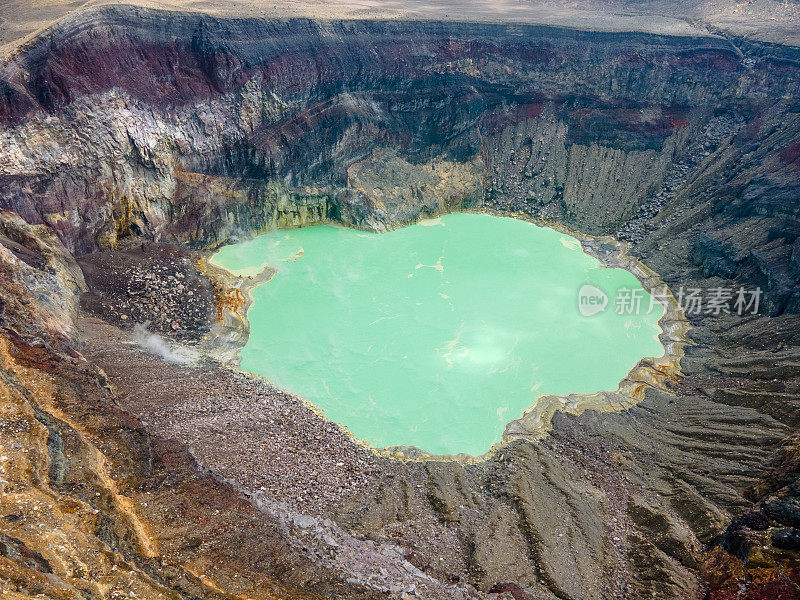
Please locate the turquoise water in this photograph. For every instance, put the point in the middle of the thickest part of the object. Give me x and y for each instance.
(438, 334)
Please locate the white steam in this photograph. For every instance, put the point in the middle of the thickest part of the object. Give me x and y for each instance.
(154, 344)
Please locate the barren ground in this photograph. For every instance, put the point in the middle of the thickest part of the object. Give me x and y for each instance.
(767, 20)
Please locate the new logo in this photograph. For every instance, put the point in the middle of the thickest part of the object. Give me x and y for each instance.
(591, 300)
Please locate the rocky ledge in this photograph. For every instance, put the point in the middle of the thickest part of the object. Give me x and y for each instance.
(131, 141)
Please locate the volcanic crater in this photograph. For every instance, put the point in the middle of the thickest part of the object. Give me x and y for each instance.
(136, 142)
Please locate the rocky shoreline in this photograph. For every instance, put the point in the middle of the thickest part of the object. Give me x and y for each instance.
(654, 372)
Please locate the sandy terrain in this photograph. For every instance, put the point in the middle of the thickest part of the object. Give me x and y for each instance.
(769, 20)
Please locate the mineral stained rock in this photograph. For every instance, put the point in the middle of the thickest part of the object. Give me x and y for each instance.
(132, 140)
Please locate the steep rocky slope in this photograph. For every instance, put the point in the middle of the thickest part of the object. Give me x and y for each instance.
(126, 130)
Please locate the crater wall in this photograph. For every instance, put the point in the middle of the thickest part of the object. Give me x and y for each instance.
(122, 124)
